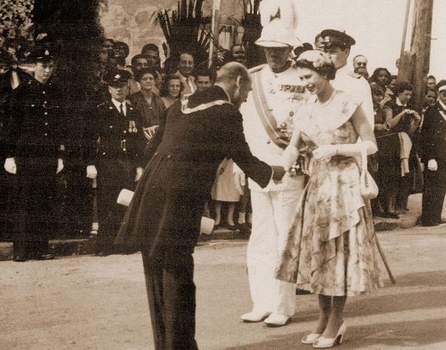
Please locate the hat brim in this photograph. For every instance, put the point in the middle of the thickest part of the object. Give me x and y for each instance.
(271, 43)
(336, 33)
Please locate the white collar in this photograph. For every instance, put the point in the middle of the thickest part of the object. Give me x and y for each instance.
(118, 104)
(398, 102)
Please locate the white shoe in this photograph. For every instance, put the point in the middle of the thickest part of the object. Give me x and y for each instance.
(324, 343)
(311, 338)
(276, 320)
(255, 316)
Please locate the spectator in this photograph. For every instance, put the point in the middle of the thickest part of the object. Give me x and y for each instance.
(225, 192)
(138, 63)
(381, 76)
(238, 53)
(185, 65)
(431, 81)
(362, 71)
(203, 79)
(146, 103)
(386, 174)
(171, 89)
(403, 122)
(319, 42)
(121, 51)
(152, 53)
(359, 61)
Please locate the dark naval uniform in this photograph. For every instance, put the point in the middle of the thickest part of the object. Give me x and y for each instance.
(116, 147)
(35, 138)
(433, 147)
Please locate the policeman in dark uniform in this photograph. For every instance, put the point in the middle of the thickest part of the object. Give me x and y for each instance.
(117, 143)
(35, 148)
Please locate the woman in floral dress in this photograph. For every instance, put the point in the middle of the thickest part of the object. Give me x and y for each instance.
(331, 248)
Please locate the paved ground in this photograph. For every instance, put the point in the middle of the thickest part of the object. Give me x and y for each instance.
(85, 302)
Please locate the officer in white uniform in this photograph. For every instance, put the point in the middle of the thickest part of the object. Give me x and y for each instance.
(337, 44)
(268, 118)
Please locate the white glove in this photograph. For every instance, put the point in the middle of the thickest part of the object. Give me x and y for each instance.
(10, 166)
(60, 165)
(139, 171)
(239, 182)
(432, 165)
(150, 131)
(92, 173)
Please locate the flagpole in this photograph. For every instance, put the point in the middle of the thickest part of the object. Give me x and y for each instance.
(215, 9)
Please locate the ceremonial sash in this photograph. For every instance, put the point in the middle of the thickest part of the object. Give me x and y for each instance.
(264, 112)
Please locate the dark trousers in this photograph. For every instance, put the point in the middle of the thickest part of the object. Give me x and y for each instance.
(113, 176)
(34, 217)
(433, 196)
(171, 294)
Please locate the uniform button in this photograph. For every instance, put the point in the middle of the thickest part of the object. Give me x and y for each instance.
(268, 141)
(169, 156)
(125, 131)
(43, 92)
(103, 153)
(46, 123)
(46, 134)
(46, 113)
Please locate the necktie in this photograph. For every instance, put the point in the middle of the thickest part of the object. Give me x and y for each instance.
(121, 109)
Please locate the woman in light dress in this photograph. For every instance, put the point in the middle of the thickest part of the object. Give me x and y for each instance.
(331, 248)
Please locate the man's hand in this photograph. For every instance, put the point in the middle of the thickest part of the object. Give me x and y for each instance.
(150, 131)
(92, 173)
(10, 165)
(278, 173)
(139, 171)
(240, 182)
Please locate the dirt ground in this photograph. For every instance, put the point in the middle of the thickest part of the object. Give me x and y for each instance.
(88, 302)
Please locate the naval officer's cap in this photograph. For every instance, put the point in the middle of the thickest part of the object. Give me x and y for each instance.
(118, 78)
(337, 38)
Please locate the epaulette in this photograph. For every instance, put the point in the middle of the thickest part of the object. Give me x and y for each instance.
(355, 75)
(101, 104)
(256, 68)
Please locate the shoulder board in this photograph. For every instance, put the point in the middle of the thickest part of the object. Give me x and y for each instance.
(101, 105)
(355, 75)
(256, 68)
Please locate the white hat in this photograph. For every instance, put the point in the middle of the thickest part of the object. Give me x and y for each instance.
(279, 21)
(276, 35)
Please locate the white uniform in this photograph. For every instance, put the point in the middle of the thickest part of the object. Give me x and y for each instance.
(274, 206)
(357, 87)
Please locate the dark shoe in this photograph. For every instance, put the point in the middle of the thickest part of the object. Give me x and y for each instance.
(390, 215)
(48, 256)
(231, 227)
(19, 258)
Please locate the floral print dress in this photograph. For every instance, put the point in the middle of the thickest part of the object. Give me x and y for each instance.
(331, 247)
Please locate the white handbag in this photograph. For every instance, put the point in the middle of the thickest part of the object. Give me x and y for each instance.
(369, 188)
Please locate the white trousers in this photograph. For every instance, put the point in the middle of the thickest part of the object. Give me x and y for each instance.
(273, 213)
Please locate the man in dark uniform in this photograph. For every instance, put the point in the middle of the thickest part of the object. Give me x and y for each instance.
(433, 155)
(35, 146)
(163, 220)
(116, 145)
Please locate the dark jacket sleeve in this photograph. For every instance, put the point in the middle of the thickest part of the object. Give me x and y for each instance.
(240, 153)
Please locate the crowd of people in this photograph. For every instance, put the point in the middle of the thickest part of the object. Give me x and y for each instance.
(284, 136)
